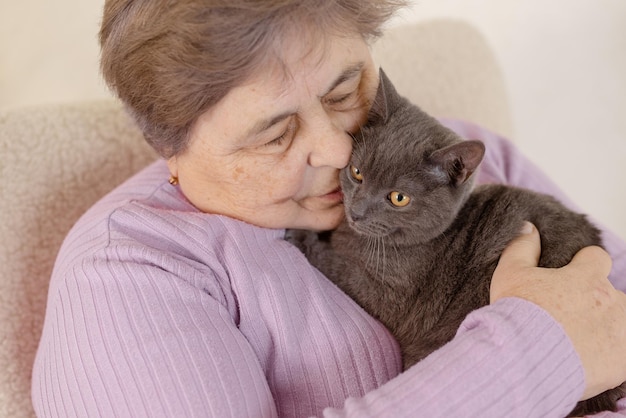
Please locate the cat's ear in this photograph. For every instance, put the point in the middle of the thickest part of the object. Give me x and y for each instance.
(381, 106)
(460, 160)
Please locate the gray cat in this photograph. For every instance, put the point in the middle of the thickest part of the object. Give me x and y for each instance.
(419, 243)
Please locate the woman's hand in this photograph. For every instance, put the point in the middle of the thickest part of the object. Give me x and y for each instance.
(579, 296)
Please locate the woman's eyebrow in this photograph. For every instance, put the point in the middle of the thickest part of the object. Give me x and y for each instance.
(347, 74)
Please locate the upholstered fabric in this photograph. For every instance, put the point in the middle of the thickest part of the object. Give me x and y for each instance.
(57, 160)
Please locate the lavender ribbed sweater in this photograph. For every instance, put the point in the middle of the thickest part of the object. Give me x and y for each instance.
(156, 309)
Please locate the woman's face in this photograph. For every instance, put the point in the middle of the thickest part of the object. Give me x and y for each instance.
(270, 151)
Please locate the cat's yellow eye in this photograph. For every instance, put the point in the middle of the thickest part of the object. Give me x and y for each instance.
(398, 199)
(356, 173)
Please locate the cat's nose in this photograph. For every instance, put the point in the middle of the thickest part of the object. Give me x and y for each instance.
(358, 208)
(356, 216)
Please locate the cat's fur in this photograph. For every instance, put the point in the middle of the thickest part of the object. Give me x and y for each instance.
(421, 268)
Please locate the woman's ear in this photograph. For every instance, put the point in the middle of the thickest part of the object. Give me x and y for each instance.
(172, 165)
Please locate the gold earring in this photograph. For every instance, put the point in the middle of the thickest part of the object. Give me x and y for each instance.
(173, 180)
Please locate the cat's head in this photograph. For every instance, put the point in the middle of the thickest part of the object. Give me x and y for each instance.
(409, 175)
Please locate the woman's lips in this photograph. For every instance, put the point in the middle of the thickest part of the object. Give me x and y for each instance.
(335, 195)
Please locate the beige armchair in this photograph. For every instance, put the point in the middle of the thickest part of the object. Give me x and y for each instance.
(57, 160)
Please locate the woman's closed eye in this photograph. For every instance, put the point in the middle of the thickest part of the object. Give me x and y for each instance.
(283, 138)
(339, 99)
(343, 102)
(277, 141)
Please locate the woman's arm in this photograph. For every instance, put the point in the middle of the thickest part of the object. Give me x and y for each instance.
(579, 296)
(134, 339)
(130, 339)
(508, 359)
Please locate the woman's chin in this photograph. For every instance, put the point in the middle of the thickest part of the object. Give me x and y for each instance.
(327, 220)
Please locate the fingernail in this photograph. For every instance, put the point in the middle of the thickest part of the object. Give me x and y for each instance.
(527, 228)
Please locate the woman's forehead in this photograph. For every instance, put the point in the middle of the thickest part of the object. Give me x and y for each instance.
(322, 59)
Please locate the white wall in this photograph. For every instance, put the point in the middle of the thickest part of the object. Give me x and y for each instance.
(49, 51)
(564, 62)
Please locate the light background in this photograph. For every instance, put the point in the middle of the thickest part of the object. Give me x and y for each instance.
(564, 63)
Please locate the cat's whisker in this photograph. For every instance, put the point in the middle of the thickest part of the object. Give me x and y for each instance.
(382, 244)
(370, 250)
(360, 140)
(395, 248)
(375, 252)
(367, 252)
(381, 249)
(380, 254)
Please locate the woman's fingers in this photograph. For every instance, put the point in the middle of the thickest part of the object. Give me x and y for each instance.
(579, 296)
(522, 253)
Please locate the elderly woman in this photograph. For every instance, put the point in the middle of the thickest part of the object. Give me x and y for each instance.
(176, 295)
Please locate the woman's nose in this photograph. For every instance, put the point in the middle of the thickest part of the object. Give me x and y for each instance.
(331, 145)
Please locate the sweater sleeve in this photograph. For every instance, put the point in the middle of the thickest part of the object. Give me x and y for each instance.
(158, 346)
(508, 359)
(134, 340)
(504, 163)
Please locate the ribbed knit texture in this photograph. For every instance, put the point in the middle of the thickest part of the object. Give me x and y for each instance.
(156, 309)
